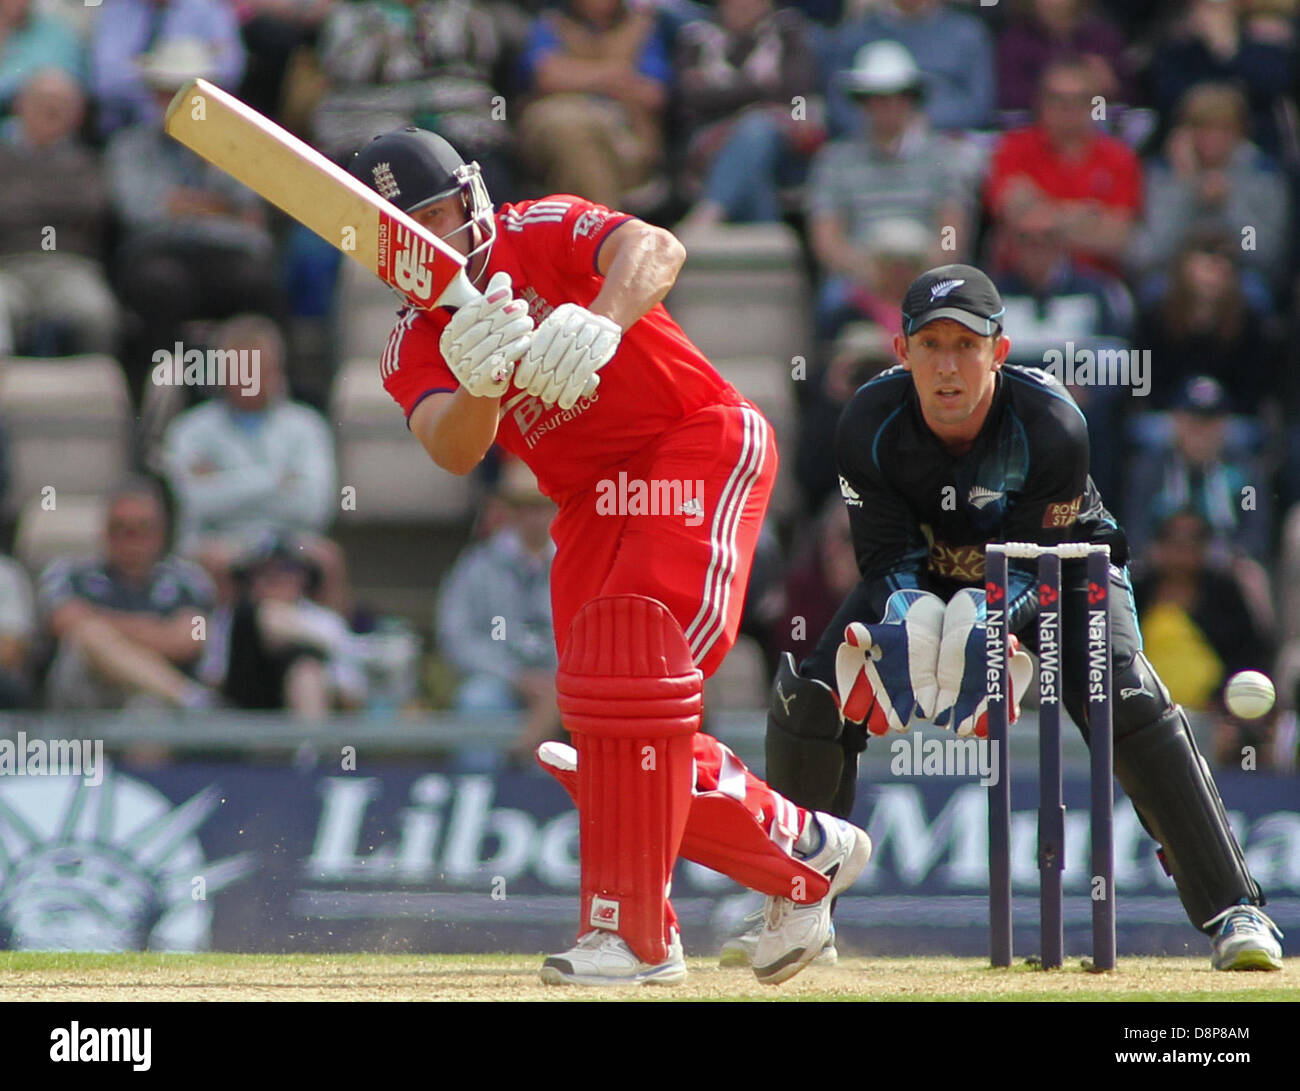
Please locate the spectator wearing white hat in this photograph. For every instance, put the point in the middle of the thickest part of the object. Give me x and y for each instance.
(899, 169)
(125, 49)
(954, 50)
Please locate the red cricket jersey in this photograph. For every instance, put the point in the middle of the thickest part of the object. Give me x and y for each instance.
(1109, 174)
(656, 379)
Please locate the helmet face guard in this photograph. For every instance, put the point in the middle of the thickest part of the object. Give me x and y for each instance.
(414, 168)
(478, 207)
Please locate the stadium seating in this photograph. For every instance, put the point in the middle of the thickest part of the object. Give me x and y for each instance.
(69, 426)
(73, 528)
(366, 310)
(766, 381)
(743, 292)
(395, 480)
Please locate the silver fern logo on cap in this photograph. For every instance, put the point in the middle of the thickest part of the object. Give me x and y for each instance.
(938, 291)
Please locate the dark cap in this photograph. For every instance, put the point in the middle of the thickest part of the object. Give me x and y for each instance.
(277, 550)
(1203, 396)
(959, 292)
(410, 167)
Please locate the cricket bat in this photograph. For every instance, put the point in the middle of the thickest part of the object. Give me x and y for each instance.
(319, 194)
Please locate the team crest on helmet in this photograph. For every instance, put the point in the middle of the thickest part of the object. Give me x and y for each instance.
(385, 183)
(941, 289)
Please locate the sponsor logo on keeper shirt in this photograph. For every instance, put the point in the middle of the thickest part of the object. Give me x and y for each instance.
(962, 562)
(1063, 514)
(850, 494)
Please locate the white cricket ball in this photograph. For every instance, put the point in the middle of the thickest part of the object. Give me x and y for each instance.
(1249, 694)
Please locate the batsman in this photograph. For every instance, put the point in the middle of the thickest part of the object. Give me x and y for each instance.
(570, 362)
(947, 451)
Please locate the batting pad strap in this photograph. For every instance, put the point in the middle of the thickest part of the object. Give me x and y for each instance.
(587, 703)
(627, 670)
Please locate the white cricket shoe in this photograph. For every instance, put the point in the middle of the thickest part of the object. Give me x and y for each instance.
(602, 958)
(794, 934)
(1246, 940)
(738, 951)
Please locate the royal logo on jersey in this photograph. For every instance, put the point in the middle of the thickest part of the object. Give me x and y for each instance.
(964, 562)
(941, 289)
(1064, 514)
(385, 183)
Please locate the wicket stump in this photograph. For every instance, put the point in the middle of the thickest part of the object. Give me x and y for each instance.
(1051, 805)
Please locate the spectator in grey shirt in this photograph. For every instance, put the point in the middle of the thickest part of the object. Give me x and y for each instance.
(900, 170)
(1211, 175)
(494, 615)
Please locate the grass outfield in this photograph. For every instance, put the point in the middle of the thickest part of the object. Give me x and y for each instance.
(27, 976)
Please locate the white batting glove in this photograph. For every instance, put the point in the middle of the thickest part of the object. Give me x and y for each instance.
(569, 347)
(484, 339)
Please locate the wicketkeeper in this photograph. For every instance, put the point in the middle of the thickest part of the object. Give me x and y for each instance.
(948, 451)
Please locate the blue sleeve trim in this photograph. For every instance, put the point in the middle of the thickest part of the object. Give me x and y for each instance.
(425, 394)
(609, 230)
(1047, 389)
(875, 443)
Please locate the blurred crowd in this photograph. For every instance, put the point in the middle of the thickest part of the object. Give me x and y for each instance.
(1126, 172)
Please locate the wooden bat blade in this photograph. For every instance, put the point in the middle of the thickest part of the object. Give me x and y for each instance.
(304, 184)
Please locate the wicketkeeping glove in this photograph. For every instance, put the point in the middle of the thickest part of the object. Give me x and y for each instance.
(484, 339)
(963, 699)
(569, 347)
(885, 673)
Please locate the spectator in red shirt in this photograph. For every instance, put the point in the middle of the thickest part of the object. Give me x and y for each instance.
(1065, 170)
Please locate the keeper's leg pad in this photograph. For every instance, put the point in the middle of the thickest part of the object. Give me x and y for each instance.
(805, 757)
(630, 695)
(1171, 788)
(720, 834)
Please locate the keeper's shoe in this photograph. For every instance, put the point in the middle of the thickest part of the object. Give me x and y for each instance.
(602, 958)
(794, 934)
(738, 951)
(1245, 940)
